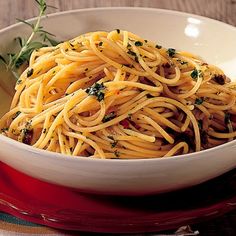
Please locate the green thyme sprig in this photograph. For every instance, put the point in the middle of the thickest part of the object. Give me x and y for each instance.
(15, 60)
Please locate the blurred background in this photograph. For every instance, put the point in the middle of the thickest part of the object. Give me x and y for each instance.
(223, 10)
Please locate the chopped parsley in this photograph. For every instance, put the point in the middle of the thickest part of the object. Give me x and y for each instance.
(4, 129)
(44, 130)
(16, 114)
(198, 101)
(200, 124)
(182, 62)
(100, 44)
(114, 143)
(138, 43)
(96, 90)
(171, 52)
(30, 72)
(227, 118)
(19, 81)
(133, 54)
(118, 31)
(117, 154)
(109, 117)
(196, 73)
(158, 46)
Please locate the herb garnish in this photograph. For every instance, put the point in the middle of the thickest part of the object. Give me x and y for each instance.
(158, 46)
(114, 143)
(4, 129)
(182, 62)
(96, 90)
(109, 117)
(16, 114)
(30, 72)
(227, 118)
(100, 43)
(138, 43)
(117, 154)
(198, 101)
(200, 125)
(15, 60)
(196, 73)
(133, 54)
(171, 52)
(118, 31)
(19, 81)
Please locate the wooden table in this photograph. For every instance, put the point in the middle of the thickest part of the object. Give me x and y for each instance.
(223, 10)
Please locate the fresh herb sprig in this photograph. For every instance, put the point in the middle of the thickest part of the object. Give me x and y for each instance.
(15, 60)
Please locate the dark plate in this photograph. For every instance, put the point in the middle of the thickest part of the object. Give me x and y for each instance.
(64, 208)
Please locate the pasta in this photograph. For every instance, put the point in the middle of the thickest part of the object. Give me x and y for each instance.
(116, 95)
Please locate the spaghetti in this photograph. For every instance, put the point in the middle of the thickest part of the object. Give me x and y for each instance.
(116, 95)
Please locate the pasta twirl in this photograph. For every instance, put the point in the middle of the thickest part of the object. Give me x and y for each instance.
(116, 95)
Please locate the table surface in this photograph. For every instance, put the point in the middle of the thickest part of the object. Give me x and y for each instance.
(222, 10)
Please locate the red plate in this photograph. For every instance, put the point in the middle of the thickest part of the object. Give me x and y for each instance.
(64, 208)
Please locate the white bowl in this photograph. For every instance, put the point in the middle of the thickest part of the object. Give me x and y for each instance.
(213, 40)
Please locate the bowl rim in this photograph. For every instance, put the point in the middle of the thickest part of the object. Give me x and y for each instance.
(61, 156)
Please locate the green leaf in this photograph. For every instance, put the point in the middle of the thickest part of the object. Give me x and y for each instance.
(20, 41)
(45, 32)
(3, 59)
(52, 41)
(25, 22)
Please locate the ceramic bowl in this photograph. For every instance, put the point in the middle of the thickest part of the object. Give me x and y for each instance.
(212, 40)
